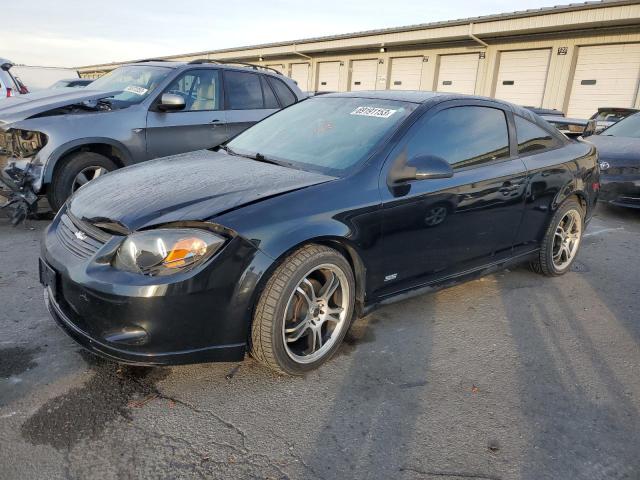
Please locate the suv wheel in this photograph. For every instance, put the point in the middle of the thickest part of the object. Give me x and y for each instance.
(304, 311)
(77, 170)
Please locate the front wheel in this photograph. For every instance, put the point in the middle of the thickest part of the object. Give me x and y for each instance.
(304, 311)
(77, 170)
(562, 239)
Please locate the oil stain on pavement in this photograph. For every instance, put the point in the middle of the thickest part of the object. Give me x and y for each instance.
(85, 411)
(16, 360)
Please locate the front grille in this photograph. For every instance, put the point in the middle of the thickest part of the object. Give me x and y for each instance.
(627, 201)
(622, 171)
(77, 239)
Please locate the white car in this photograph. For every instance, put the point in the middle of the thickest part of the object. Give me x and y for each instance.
(9, 85)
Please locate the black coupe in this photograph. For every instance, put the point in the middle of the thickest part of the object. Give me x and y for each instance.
(318, 214)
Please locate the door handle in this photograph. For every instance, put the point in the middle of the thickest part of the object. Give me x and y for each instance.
(508, 187)
(215, 123)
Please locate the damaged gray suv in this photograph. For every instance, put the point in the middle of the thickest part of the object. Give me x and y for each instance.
(53, 142)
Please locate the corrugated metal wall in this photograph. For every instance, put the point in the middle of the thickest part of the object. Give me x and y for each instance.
(418, 58)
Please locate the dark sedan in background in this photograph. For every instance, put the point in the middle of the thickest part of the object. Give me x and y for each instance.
(619, 150)
(318, 214)
(607, 116)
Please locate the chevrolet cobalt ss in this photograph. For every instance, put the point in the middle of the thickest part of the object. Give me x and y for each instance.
(316, 215)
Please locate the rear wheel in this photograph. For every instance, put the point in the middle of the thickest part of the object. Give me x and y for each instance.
(304, 311)
(77, 170)
(561, 241)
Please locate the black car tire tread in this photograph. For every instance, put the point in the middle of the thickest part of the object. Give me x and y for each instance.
(543, 263)
(266, 318)
(66, 173)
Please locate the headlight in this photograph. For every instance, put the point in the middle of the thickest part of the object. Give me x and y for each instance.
(166, 251)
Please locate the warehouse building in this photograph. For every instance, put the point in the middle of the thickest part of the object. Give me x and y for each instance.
(574, 58)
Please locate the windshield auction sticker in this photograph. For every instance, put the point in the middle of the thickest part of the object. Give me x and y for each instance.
(136, 90)
(373, 112)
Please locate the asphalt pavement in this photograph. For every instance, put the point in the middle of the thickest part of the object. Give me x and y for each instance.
(514, 376)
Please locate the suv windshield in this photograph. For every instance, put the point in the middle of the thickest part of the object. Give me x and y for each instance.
(326, 134)
(135, 81)
(627, 127)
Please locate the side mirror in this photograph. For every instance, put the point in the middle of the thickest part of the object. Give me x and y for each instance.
(170, 102)
(421, 167)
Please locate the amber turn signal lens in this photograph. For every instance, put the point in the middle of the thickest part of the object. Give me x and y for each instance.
(166, 251)
(184, 252)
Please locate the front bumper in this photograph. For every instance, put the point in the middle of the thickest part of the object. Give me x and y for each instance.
(620, 190)
(198, 316)
(220, 353)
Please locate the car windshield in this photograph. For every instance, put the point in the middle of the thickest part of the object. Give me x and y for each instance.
(326, 134)
(135, 81)
(61, 84)
(611, 115)
(627, 127)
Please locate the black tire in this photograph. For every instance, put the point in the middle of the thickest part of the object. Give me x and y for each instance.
(65, 174)
(543, 263)
(267, 342)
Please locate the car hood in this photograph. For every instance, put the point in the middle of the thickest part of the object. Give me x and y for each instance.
(21, 107)
(190, 187)
(617, 151)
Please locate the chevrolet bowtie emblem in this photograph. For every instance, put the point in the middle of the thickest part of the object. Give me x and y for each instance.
(80, 236)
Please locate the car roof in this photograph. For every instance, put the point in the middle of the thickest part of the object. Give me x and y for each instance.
(423, 96)
(154, 63)
(414, 96)
(207, 64)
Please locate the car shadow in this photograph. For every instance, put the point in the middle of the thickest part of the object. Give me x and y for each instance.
(579, 409)
(375, 408)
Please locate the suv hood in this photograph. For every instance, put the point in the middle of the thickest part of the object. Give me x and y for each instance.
(188, 187)
(21, 107)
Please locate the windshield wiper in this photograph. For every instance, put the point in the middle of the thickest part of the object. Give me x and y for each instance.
(257, 156)
(261, 158)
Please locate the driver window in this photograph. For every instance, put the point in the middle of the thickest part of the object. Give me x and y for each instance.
(464, 136)
(200, 90)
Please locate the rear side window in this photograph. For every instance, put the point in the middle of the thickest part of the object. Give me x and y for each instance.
(243, 90)
(531, 137)
(270, 100)
(285, 95)
(463, 136)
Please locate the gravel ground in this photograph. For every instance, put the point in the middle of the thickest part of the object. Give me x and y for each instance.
(514, 376)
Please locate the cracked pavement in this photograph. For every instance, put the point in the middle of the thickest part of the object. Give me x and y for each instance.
(514, 376)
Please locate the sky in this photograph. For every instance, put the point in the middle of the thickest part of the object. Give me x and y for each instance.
(73, 33)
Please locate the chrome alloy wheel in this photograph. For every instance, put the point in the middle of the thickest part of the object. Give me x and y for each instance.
(86, 175)
(567, 239)
(316, 313)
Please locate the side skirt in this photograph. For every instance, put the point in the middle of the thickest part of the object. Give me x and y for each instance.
(450, 281)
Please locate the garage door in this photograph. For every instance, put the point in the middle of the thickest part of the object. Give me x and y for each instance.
(606, 76)
(300, 73)
(364, 74)
(406, 73)
(328, 76)
(278, 66)
(458, 73)
(522, 76)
